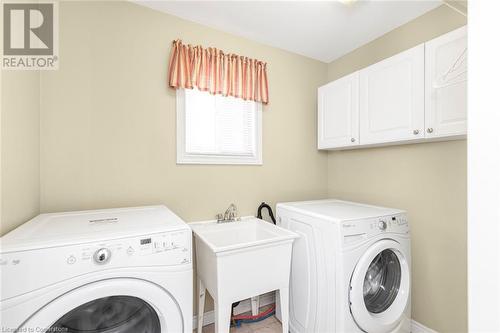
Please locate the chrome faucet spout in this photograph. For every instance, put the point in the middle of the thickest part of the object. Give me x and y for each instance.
(230, 215)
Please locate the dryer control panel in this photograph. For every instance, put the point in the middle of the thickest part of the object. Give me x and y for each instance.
(28, 269)
(168, 248)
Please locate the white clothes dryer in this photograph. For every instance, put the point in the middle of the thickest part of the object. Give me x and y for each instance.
(114, 270)
(351, 267)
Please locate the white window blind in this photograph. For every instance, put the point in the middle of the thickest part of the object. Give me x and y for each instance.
(214, 129)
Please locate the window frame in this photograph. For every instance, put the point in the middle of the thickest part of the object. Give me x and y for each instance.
(184, 157)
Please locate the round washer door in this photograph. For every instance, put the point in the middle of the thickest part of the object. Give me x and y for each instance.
(380, 287)
(122, 305)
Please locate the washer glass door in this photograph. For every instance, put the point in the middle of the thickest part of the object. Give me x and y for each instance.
(380, 287)
(123, 314)
(382, 281)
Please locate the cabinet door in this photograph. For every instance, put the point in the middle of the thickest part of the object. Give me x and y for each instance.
(392, 98)
(446, 84)
(338, 113)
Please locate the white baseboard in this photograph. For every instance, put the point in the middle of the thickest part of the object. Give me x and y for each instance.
(416, 327)
(244, 306)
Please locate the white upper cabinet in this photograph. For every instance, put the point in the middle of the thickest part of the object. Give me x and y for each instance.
(417, 95)
(392, 98)
(338, 113)
(446, 85)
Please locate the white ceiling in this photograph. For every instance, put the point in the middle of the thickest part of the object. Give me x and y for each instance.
(322, 30)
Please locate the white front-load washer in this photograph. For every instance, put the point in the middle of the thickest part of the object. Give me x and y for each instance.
(114, 270)
(350, 267)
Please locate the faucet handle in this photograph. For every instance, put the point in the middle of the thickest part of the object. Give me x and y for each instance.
(219, 217)
(233, 212)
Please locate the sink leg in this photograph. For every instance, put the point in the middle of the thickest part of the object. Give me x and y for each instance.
(222, 317)
(284, 308)
(201, 304)
(255, 305)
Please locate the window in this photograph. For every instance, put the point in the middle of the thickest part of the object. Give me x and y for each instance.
(214, 129)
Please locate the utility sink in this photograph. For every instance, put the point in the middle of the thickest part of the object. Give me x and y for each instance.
(249, 232)
(239, 260)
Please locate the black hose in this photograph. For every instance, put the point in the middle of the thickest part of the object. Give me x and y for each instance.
(269, 210)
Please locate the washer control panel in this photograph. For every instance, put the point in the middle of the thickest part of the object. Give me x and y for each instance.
(370, 227)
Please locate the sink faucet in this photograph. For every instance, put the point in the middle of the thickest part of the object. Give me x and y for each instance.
(230, 215)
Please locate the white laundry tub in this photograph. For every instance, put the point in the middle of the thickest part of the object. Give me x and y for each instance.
(239, 260)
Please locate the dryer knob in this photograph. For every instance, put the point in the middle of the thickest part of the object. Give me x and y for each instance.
(382, 225)
(102, 256)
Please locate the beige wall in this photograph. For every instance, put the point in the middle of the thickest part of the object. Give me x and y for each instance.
(108, 120)
(20, 147)
(428, 180)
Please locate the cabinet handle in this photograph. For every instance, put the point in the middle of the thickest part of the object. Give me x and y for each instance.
(353, 139)
(430, 130)
(416, 132)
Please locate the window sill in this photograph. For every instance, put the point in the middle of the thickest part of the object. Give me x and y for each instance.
(219, 160)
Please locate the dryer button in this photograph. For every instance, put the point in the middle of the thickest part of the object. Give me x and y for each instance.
(71, 260)
(102, 256)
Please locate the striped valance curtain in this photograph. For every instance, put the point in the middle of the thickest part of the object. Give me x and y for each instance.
(210, 69)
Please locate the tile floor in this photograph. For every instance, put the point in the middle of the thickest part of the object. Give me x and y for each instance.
(268, 325)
